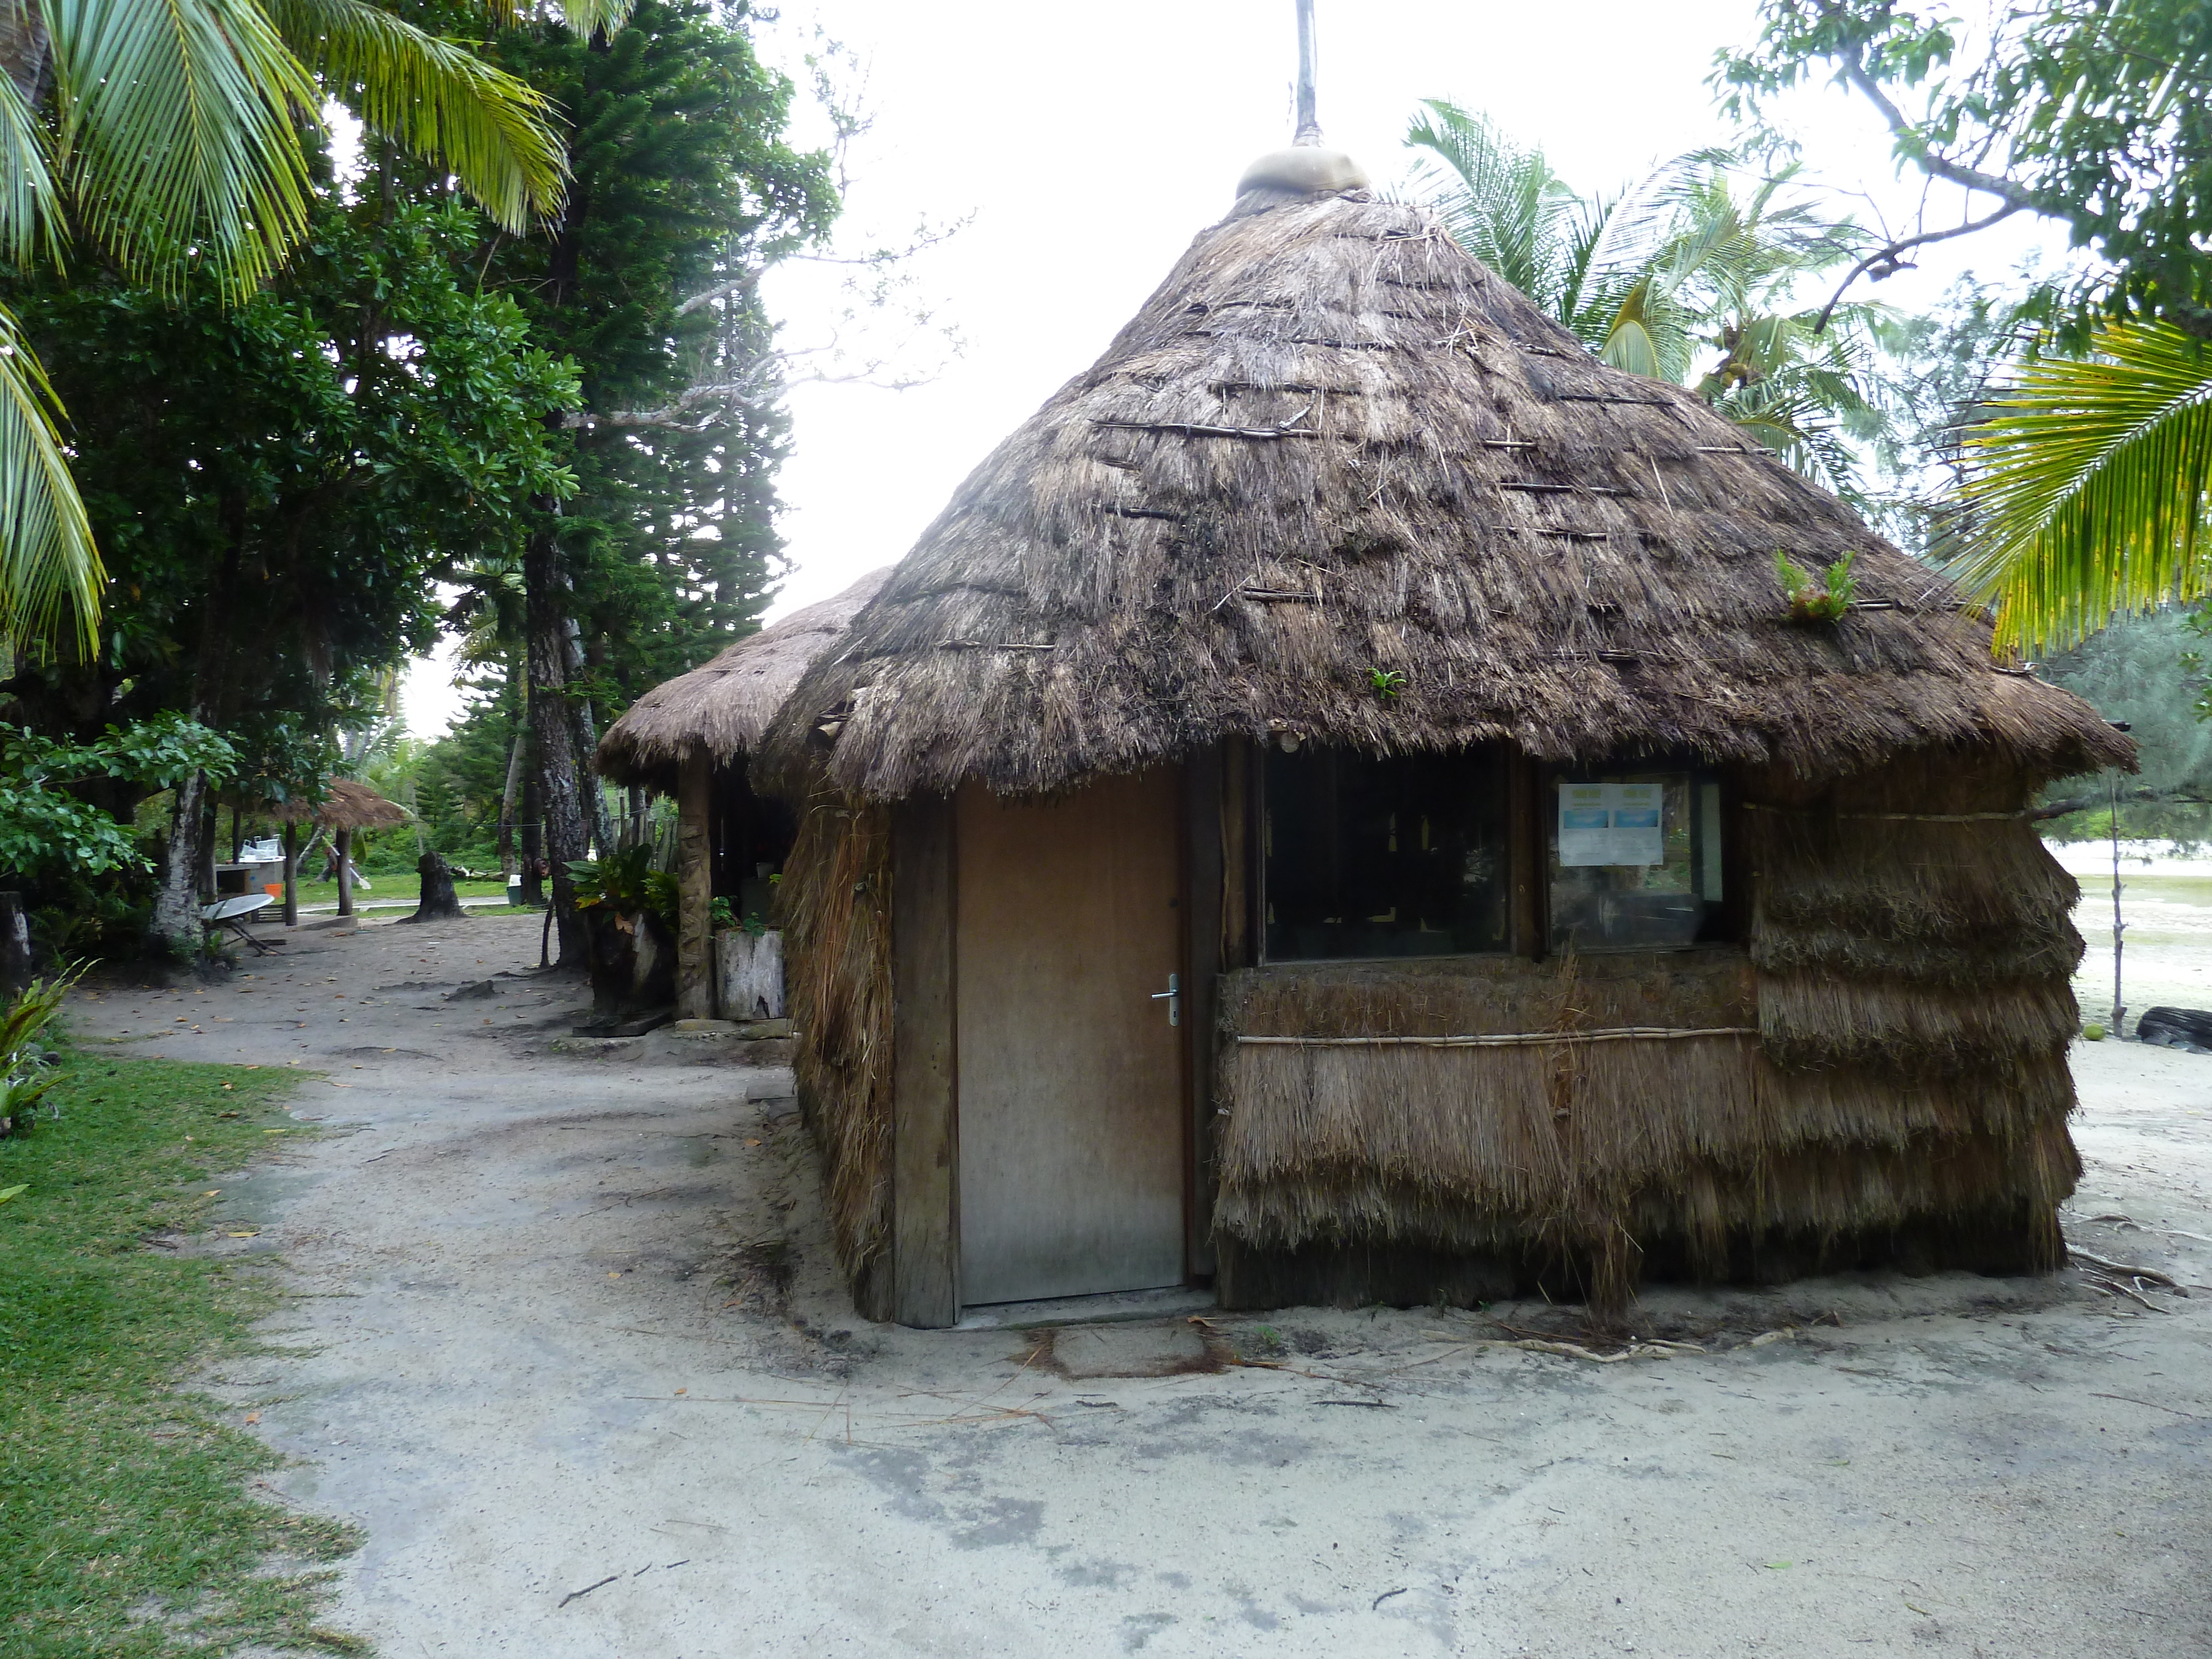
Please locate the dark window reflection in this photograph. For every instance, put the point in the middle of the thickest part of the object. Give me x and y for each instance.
(1402, 856)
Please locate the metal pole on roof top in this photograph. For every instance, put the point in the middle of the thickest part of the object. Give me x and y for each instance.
(1308, 131)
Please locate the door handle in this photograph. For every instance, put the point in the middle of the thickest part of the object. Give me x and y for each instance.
(1173, 997)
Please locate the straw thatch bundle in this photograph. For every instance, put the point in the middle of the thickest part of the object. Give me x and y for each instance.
(345, 806)
(1332, 445)
(724, 706)
(837, 937)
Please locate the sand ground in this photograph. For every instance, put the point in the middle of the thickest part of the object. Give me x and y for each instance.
(570, 1347)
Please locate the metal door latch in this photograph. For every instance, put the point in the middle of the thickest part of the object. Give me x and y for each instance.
(1173, 997)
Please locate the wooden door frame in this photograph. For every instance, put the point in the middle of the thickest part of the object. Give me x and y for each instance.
(925, 1280)
(1199, 891)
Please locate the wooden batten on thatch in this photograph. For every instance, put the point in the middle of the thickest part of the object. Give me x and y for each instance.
(1333, 444)
(723, 706)
(345, 806)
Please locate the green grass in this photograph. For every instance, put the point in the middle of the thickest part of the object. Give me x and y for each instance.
(126, 1527)
(408, 887)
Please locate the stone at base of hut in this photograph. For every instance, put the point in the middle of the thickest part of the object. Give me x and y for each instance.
(439, 902)
(2176, 1028)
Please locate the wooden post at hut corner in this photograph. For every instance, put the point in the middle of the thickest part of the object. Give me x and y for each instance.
(291, 872)
(344, 841)
(694, 887)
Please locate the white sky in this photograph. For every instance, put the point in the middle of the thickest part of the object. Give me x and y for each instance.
(1092, 144)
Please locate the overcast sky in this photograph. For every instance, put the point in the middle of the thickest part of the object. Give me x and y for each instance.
(1087, 145)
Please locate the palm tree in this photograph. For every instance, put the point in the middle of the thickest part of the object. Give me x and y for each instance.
(1678, 278)
(2089, 486)
(1586, 262)
(169, 134)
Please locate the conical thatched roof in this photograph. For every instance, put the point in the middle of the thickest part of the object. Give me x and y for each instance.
(345, 806)
(725, 705)
(1333, 445)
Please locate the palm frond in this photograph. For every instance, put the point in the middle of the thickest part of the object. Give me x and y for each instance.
(30, 211)
(2087, 496)
(438, 98)
(177, 134)
(48, 561)
(1502, 204)
(583, 17)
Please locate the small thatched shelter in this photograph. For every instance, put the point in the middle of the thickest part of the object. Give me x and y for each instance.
(691, 737)
(346, 806)
(1350, 654)
(345, 809)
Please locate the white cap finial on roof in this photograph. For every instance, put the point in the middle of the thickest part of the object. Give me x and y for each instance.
(1306, 168)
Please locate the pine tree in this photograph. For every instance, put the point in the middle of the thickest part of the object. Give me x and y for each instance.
(685, 191)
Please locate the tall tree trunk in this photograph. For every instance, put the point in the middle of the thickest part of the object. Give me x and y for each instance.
(344, 841)
(211, 822)
(25, 52)
(560, 770)
(533, 842)
(695, 890)
(509, 796)
(176, 905)
(291, 872)
(588, 741)
(176, 921)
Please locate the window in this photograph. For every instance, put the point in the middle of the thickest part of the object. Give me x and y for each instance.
(1635, 859)
(1404, 856)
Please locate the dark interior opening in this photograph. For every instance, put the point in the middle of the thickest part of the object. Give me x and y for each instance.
(1396, 855)
(749, 838)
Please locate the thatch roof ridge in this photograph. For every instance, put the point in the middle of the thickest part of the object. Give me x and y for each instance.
(724, 704)
(1332, 446)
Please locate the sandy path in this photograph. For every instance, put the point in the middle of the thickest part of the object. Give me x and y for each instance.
(571, 1325)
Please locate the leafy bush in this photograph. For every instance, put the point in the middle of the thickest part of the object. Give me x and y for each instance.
(627, 883)
(27, 1065)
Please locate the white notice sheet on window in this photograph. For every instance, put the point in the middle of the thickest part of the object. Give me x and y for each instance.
(1612, 824)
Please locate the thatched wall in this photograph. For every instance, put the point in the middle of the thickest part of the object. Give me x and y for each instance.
(838, 948)
(1897, 1083)
(1914, 946)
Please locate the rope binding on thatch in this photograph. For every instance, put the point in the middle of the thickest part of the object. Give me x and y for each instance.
(1507, 1039)
(1892, 817)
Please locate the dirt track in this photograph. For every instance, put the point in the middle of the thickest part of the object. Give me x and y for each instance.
(573, 1354)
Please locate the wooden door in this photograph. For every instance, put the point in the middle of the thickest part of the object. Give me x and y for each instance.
(1071, 1076)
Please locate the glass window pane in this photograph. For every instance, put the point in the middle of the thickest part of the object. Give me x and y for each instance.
(1635, 859)
(1400, 856)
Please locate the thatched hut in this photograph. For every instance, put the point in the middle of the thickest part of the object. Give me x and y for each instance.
(346, 808)
(1338, 807)
(691, 737)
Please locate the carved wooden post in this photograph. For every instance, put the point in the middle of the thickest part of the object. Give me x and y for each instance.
(695, 883)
